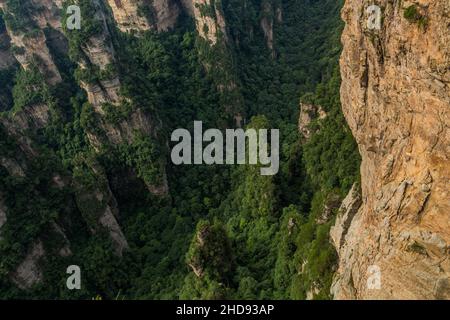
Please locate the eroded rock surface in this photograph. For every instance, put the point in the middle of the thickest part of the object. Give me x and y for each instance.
(29, 273)
(308, 113)
(395, 96)
(128, 15)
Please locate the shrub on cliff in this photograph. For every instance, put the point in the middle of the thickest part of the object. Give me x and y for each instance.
(413, 15)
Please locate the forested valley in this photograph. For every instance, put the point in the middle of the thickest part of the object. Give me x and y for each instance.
(210, 231)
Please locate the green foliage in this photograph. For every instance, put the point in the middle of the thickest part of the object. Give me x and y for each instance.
(413, 15)
(114, 114)
(6, 81)
(417, 248)
(33, 202)
(210, 255)
(206, 10)
(29, 89)
(331, 156)
(147, 10)
(145, 156)
(18, 17)
(91, 27)
(89, 120)
(93, 74)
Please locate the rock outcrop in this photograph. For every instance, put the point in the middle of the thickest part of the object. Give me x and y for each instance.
(267, 24)
(30, 44)
(162, 15)
(99, 57)
(308, 113)
(47, 13)
(271, 13)
(209, 20)
(347, 211)
(34, 50)
(99, 208)
(129, 15)
(29, 272)
(143, 15)
(166, 12)
(395, 96)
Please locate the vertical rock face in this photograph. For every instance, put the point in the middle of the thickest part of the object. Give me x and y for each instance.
(166, 12)
(100, 209)
(99, 52)
(35, 49)
(47, 13)
(109, 221)
(209, 20)
(30, 44)
(308, 113)
(99, 56)
(271, 13)
(395, 96)
(142, 15)
(162, 15)
(32, 37)
(267, 24)
(128, 15)
(347, 211)
(29, 273)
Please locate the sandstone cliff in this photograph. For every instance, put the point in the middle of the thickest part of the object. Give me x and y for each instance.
(29, 273)
(127, 15)
(271, 12)
(166, 14)
(309, 113)
(30, 43)
(99, 206)
(395, 96)
(30, 46)
(209, 20)
(98, 52)
(97, 56)
(142, 15)
(162, 15)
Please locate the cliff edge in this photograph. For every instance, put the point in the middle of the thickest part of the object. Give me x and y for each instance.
(395, 97)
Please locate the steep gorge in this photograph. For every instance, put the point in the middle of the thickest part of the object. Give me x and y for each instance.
(86, 124)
